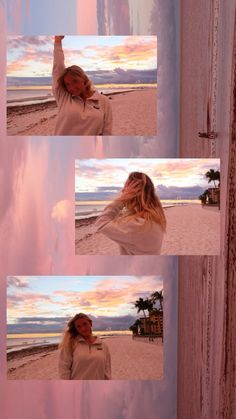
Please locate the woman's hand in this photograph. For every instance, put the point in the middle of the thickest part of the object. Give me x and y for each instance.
(58, 38)
(129, 191)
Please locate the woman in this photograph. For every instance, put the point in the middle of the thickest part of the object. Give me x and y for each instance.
(83, 356)
(135, 220)
(81, 109)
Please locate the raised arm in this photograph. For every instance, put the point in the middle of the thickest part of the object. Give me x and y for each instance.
(58, 65)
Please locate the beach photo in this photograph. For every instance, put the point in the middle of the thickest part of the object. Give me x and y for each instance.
(82, 85)
(85, 328)
(147, 206)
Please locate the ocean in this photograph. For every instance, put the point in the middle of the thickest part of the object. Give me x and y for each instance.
(29, 95)
(17, 96)
(16, 342)
(93, 208)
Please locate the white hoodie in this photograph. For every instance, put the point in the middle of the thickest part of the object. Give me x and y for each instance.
(134, 236)
(85, 362)
(76, 117)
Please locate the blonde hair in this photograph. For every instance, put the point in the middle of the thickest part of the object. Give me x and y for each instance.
(76, 71)
(144, 203)
(71, 332)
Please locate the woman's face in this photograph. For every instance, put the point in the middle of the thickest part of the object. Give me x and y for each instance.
(83, 327)
(74, 84)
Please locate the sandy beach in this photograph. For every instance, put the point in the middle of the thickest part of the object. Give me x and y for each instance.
(132, 359)
(191, 230)
(134, 113)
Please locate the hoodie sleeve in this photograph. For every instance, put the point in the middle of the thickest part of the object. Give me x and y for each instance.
(107, 375)
(109, 214)
(58, 69)
(65, 363)
(107, 127)
(117, 231)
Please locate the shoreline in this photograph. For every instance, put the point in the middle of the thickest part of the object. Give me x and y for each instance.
(52, 99)
(48, 101)
(21, 109)
(134, 113)
(31, 350)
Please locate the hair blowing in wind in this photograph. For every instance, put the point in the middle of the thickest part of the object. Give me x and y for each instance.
(140, 199)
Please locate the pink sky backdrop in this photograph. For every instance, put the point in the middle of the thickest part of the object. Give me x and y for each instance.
(87, 17)
(38, 209)
(38, 237)
(37, 233)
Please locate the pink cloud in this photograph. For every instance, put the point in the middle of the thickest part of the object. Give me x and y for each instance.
(25, 301)
(13, 281)
(16, 42)
(112, 293)
(61, 210)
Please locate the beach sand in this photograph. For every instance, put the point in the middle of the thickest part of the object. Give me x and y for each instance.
(134, 113)
(131, 359)
(191, 230)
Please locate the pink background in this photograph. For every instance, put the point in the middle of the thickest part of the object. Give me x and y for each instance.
(37, 173)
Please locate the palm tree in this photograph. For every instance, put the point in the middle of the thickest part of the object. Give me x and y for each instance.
(134, 327)
(213, 176)
(203, 197)
(143, 305)
(157, 296)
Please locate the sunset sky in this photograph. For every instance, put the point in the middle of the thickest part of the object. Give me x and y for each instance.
(105, 58)
(46, 302)
(100, 179)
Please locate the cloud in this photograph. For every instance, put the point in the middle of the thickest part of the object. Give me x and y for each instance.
(43, 320)
(108, 189)
(99, 176)
(175, 192)
(110, 294)
(107, 193)
(116, 76)
(25, 300)
(29, 81)
(61, 210)
(105, 296)
(58, 324)
(134, 60)
(103, 63)
(119, 75)
(16, 42)
(17, 282)
(133, 50)
(93, 196)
